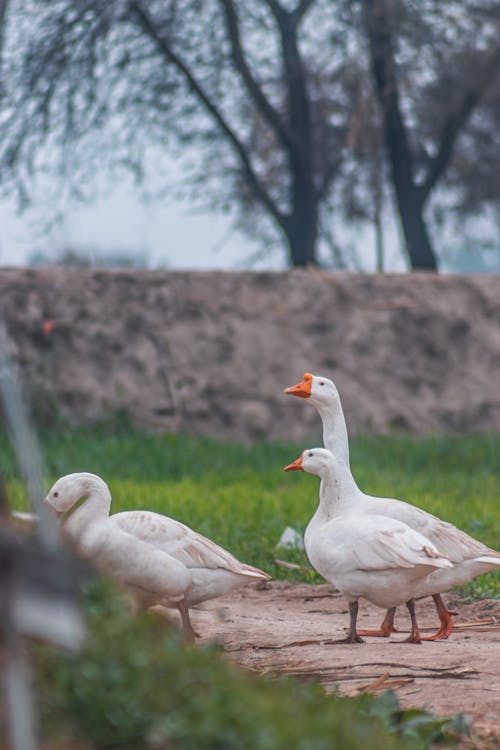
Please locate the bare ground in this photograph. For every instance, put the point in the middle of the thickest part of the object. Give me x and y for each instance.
(289, 628)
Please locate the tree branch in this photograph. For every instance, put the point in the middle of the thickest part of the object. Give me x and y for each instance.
(263, 104)
(456, 122)
(298, 99)
(327, 179)
(384, 73)
(296, 15)
(146, 24)
(3, 16)
(379, 30)
(301, 10)
(3, 22)
(303, 190)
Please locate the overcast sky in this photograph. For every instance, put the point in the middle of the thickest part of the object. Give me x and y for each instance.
(165, 231)
(169, 234)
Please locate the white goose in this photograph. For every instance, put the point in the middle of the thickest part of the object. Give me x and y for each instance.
(470, 558)
(161, 560)
(375, 557)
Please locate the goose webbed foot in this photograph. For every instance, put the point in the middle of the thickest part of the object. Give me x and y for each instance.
(356, 638)
(446, 618)
(385, 629)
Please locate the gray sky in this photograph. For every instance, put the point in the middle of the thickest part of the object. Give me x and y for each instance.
(166, 232)
(169, 233)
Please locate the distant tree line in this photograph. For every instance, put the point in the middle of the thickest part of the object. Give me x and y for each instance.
(298, 116)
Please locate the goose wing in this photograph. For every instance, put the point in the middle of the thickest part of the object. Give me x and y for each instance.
(449, 540)
(134, 562)
(380, 543)
(189, 547)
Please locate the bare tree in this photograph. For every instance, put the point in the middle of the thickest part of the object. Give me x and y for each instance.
(462, 61)
(473, 173)
(188, 73)
(269, 106)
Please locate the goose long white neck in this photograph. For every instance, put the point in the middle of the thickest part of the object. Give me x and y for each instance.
(329, 497)
(335, 436)
(337, 492)
(95, 507)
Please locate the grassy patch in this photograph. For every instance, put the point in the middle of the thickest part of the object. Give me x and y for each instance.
(133, 686)
(240, 497)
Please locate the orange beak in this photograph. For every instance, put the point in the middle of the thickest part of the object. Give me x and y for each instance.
(303, 389)
(295, 465)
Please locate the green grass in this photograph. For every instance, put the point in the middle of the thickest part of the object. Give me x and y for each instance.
(133, 686)
(240, 497)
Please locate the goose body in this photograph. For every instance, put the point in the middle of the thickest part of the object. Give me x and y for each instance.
(380, 559)
(159, 559)
(470, 557)
(151, 574)
(375, 557)
(214, 571)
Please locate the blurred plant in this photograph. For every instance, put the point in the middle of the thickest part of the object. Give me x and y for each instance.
(134, 685)
(83, 257)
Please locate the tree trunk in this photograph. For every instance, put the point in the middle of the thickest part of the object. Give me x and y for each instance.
(379, 26)
(418, 243)
(377, 184)
(301, 235)
(301, 225)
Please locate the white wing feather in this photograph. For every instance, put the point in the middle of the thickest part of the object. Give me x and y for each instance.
(189, 547)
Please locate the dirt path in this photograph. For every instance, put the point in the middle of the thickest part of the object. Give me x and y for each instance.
(289, 628)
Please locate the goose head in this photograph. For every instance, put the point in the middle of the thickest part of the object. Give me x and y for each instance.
(71, 488)
(319, 389)
(313, 460)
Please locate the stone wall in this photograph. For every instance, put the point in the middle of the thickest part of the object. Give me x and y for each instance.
(210, 352)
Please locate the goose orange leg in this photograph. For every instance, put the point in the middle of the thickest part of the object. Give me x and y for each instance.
(385, 629)
(445, 616)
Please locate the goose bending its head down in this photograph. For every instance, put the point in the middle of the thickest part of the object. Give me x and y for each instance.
(375, 557)
(159, 559)
(470, 557)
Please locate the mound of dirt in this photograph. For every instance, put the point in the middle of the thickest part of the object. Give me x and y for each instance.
(210, 352)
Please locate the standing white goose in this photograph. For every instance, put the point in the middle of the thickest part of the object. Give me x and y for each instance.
(470, 558)
(161, 560)
(375, 557)
(150, 574)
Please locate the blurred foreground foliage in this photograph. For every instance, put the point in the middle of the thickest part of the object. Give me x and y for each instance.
(134, 685)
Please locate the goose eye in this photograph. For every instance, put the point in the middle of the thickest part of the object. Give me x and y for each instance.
(55, 494)
(310, 455)
(322, 382)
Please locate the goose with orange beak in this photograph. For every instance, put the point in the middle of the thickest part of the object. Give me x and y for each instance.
(470, 557)
(375, 557)
(324, 396)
